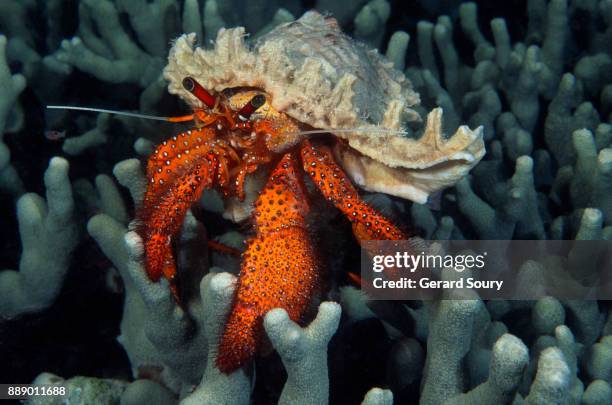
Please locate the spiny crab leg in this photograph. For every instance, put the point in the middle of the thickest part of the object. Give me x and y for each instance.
(177, 172)
(368, 224)
(333, 183)
(279, 267)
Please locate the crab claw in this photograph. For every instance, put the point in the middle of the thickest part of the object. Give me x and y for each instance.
(279, 267)
(178, 171)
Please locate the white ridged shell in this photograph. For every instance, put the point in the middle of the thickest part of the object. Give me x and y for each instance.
(316, 74)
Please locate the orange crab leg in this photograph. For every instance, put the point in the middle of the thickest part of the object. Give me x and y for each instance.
(177, 172)
(240, 176)
(279, 267)
(182, 118)
(222, 248)
(330, 179)
(202, 118)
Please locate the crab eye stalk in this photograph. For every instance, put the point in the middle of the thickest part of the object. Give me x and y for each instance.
(200, 92)
(250, 107)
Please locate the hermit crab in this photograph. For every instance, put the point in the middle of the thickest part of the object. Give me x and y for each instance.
(321, 112)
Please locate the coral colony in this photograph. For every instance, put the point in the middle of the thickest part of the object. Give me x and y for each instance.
(241, 155)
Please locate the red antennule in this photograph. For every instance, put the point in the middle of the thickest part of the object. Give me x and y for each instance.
(250, 107)
(200, 92)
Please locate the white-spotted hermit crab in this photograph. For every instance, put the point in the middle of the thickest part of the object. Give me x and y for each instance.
(315, 106)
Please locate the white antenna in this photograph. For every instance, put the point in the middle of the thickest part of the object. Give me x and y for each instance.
(168, 119)
(349, 130)
(103, 110)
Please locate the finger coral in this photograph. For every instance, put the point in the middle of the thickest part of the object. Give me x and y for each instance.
(48, 234)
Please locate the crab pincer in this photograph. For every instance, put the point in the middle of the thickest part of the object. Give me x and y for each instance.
(279, 268)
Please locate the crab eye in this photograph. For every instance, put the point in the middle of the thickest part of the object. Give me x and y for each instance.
(250, 107)
(200, 92)
(188, 84)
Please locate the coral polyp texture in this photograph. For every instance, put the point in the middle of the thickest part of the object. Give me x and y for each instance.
(471, 120)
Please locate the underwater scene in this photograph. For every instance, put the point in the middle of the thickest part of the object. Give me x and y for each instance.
(305, 202)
